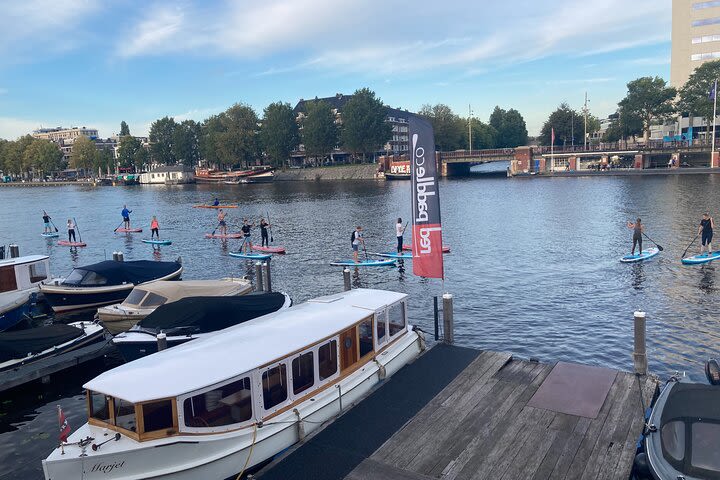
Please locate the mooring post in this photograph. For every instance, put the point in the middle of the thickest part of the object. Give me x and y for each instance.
(121, 257)
(640, 352)
(346, 278)
(268, 282)
(14, 250)
(161, 341)
(436, 318)
(258, 277)
(448, 336)
(115, 256)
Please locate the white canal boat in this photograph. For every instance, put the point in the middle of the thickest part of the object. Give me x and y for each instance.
(211, 408)
(20, 278)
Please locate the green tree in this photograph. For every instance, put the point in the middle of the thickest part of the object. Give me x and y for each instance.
(210, 133)
(483, 135)
(568, 125)
(129, 146)
(84, 154)
(364, 130)
(43, 156)
(319, 131)
(279, 134)
(124, 129)
(186, 142)
(623, 126)
(650, 99)
(497, 117)
(695, 94)
(104, 161)
(162, 135)
(238, 142)
(510, 127)
(141, 158)
(448, 127)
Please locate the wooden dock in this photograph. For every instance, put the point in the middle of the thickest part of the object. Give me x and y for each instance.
(481, 425)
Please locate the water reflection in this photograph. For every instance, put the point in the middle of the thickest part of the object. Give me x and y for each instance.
(707, 279)
(638, 276)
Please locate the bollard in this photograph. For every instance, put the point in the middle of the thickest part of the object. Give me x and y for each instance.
(436, 318)
(448, 336)
(121, 258)
(346, 278)
(115, 256)
(640, 352)
(268, 283)
(258, 277)
(161, 341)
(14, 251)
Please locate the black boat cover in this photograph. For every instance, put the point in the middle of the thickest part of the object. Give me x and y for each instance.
(19, 344)
(209, 314)
(111, 272)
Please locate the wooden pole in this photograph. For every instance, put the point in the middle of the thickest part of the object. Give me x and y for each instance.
(640, 352)
(436, 318)
(346, 278)
(258, 277)
(448, 336)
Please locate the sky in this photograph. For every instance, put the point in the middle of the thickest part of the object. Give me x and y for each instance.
(95, 63)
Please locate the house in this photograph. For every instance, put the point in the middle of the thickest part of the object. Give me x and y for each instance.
(168, 175)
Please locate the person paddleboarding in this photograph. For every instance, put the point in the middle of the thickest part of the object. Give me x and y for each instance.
(265, 242)
(154, 228)
(126, 217)
(399, 231)
(221, 222)
(706, 230)
(355, 239)
(638, 231)
(246, 228)
(46, 221)
(216, 202)
(71, 230)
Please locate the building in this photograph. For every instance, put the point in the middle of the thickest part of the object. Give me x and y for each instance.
(168, 175)
(59, 133)
(695, 37)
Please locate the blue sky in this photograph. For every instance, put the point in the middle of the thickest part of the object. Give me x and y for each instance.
(95, 63)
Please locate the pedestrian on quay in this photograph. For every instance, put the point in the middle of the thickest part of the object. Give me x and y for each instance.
(154, 228)
(71, 230)
(399, 232)
(126, 217)
(706, 230)
(638, 230)
(355, 239)
(246, 228)
(265, 242)
(221, 222)
(46, 221)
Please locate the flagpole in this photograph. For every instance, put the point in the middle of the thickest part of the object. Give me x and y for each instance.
(552, 151)
(712, 154)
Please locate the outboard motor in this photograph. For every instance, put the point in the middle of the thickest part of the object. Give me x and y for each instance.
(712, 372)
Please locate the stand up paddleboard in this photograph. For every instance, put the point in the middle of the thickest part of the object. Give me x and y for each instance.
(50, 234)
(250, 256)
(363, 263)
(702, 258)
(65, 243)
(639, 257)
(220, 235)
(268, 249)
(129, 230)
(399, 256)
(445, 248)
(157, 242)
(215, 206)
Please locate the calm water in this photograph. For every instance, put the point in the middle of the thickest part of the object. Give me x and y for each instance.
(534, 266)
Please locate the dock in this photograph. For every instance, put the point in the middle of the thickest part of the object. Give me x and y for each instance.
(460, 413)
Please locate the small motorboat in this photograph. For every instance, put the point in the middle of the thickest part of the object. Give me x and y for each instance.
(104, 283)
(20, 279)
(195, 317)
(264, 177)
(144, 299)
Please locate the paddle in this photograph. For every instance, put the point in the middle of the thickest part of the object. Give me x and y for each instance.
(78, 229)
(653, 241)
(218, 226)
(688, 247)
(121, 224)
(53, 224)
(242, 246)
(405, 227)
(270, 226)
(365, 250)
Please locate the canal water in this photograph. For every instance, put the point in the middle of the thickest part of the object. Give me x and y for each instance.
(534, 266)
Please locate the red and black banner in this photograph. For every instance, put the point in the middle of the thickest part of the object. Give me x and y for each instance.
(427, 228)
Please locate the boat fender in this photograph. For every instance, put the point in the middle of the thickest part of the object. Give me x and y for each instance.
(382, 374)
(300, 424)
(712, 372)
(641, 467)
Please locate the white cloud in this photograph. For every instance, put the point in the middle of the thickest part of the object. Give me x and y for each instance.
(12, 128)
(3, 91)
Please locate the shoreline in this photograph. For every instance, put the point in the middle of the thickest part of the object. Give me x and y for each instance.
(626, 172)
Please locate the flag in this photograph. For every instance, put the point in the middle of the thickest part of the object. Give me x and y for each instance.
(552, 136)
(713, 90)
(64, 427)
(427, 228)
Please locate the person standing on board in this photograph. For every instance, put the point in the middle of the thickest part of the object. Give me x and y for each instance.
(221, 222)
(399, 231)
(706, 229)
(638, 230)
(246, 233)
(264, 232)
(216, 202)
(154, 228)
(46, 221)
(71, 230)
(356, 239)
(126, 217)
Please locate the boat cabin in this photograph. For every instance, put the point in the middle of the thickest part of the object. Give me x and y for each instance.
(250, 372)
(23, 273)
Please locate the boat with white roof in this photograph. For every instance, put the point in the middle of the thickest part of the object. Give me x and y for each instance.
(216, 406)
(20, 278)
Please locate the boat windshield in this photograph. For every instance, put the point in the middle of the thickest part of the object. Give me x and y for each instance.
(135, 297)
(75, 277)
(153, 300)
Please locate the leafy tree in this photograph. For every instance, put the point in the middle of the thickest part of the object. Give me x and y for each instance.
(449, 128)
(162, 136)
(497, 117)
(622, 127)
(141, 158)
(124, 129)
(695, 94)
(186, 142)
(103, 161)
(210, 133)
(43, 156)
(568, 125)
(510, 127)
(483, 135)
(238, 142)
(364, 127)
(279, 134)
(127, 150)
(84, 154)
(319, 131)
(648, 98)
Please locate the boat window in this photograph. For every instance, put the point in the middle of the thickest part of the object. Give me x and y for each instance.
(381, 327)
(396, 318)
(124, 414)
(153, 300)
(303, 371)
(327, 359)
(135, 297)
(274, 383)
(705, 441)
(157, 415)
(673, 439)
(226, 405)
(7, 279)
(99, 407)
(75, 277)
(38, 272)
(366, 337)
(93, 279)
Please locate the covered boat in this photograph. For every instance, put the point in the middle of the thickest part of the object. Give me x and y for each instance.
(195, 317)
(105, 283)
(213, 407)
(144, 299)
(20, 278)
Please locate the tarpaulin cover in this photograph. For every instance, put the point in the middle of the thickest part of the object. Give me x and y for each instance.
(117, 273)
(19, 344)
(209, 314)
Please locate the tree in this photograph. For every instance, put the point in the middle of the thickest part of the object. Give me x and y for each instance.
(623, 125)
(124, 129)
(161, 141)
(210, 132)
(568, 125)
(448, 127)
(364, 127)
(84, 154)
(319, 132)
(186, 142)
(127, 150)
(103, 161)
(483, 135)
(510, 127)
(279, 134)
(648, 98)
(43, 156)
(141, 158)
(238, 142)
(695, 94)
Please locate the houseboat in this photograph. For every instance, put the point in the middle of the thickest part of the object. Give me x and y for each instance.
(168, 175)
(20, 278)
(214, 407)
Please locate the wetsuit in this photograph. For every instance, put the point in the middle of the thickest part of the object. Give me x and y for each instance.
(637, 238)
(707, 231)
(264, 233)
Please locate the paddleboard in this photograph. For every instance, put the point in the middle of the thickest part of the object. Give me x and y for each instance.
(157, 242)
(219, 235)
(702, 258)
(445, 248)
(363, 263)
(215, 206)
(129, 230)
(65, 243)
(50, 235)
(399, 256)
(250, 256)
(638, 257)
(268, 249)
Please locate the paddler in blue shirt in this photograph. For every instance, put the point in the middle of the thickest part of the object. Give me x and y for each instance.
(126, 217)
(216, 203)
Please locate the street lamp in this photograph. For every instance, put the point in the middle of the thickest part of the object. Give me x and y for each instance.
(470, 113)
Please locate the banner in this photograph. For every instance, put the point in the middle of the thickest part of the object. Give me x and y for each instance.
(426, 225)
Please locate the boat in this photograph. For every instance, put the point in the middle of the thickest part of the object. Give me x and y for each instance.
(193, 318)
(105, 283)
(264, 177)
(397, 176)
(20, 280)
(445, 248)
(701, 258)
(144, 299)
(268, 249)
(639, 257)
(213, 407)
(364, 263)
(682, 433)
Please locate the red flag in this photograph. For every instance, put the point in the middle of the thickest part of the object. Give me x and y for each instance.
(552, 136)
(63, 424)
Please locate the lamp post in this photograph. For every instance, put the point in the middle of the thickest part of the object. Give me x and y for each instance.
(470, 112)
(585, 114)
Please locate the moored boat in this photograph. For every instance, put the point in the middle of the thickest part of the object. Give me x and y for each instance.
(105, 282)
(144, 299)
(20, 278)
(264, 177)
(210, 408)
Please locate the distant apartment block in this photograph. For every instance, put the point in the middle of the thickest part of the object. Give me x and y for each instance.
(59, 133)
(695, 37)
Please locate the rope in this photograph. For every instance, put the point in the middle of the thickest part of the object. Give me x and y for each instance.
(252, 446)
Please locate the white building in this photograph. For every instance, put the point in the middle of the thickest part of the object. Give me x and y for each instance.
(168, 175)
